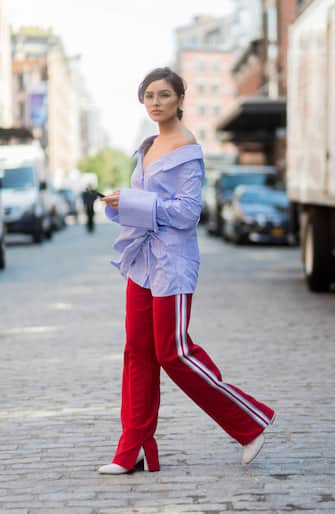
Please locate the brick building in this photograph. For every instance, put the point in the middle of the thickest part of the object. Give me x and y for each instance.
(257, 121)
(5, 68)
(210, 91)
(204, 62)
(44, 96)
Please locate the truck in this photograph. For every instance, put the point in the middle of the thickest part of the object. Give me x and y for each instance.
(311, 140)
(2, 227)
(24, 190)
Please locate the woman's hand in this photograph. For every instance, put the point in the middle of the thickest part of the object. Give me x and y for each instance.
(112, 199)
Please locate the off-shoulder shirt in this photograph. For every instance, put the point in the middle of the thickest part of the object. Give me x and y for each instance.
(159, 214)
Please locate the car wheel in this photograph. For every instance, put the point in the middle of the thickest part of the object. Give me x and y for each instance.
(317, 251)
(2, 255)
(239, 239)
(38, 234)
(225, 232)
(209, 227)
(49, 233)
(219, 224)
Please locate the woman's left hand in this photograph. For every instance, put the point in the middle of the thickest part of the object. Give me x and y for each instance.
(112, 199)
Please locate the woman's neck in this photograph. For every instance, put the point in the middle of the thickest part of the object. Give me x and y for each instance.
(170, 128)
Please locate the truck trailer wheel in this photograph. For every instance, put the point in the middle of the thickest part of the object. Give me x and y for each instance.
(317, 250)
(2, 255)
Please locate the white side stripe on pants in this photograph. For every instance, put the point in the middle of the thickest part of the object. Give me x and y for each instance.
(200, 369)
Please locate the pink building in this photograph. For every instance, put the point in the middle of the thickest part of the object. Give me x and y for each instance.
(204, 60)
(210, 91)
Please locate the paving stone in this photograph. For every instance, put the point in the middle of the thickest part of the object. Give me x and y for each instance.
(60, 376)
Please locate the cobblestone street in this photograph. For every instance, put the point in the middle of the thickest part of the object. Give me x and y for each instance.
(61, 337)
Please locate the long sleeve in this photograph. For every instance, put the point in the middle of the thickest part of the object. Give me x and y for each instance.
(137, 208)
(148, 210)
(183, 210)
(112, 214)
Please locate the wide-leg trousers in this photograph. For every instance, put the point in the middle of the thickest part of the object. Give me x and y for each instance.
(157, 336)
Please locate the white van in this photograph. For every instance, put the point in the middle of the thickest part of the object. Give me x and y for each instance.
(2, 227)
(24, 191)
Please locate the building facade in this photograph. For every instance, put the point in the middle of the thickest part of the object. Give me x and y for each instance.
(257, 120)
(63, 113)
(5, 68)
(93, 136)
(206, 50)
(210, 90)
(44, 96)
(204, 63)
(260, 69)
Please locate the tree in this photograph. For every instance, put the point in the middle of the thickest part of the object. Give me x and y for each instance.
(112, 167)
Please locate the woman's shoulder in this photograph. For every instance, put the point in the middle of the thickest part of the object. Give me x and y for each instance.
(183, 140)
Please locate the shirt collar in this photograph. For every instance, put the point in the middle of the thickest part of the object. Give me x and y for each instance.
(178, 156)
(181, 155)
(147, 142)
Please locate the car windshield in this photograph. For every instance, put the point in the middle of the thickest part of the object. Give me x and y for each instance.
(67, 193)
(237, 179)
(19, 178)
(275, 198)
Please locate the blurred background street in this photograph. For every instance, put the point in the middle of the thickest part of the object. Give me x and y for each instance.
(260, 100)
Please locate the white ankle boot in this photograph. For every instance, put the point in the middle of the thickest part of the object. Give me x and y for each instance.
(251, 450)
(116, 469)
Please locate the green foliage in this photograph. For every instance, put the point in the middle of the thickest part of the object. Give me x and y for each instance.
(112, 167)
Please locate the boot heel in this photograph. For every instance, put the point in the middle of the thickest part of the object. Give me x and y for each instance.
(151, 459)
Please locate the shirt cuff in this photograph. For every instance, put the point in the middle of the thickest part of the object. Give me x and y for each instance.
(137, 208)
(112, 214)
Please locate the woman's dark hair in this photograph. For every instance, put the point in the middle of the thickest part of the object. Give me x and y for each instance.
(170, 76)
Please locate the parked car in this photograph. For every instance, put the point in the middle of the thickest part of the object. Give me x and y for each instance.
(257, 214)
(2, 227)
(204, 213)
(57, 207)
(71, 200)
(24, 188)
(220, 192)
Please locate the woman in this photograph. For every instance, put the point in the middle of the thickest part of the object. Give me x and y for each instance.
(160, 258)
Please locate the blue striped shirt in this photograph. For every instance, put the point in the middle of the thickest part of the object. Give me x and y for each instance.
(159, 214)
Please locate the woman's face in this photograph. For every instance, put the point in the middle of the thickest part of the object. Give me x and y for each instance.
(161, 101)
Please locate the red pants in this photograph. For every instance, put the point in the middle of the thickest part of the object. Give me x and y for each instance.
(156, 335)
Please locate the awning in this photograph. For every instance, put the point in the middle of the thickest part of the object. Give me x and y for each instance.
(254, 118)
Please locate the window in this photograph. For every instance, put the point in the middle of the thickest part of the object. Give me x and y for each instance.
(200, 64)
(20, 82)
(216, 110)
(212, 38)
(19, 178)
(202, 134)
(201, 110)
(44, 74)
(22, 111)
(215, 89)
(216, 65)
(201, 89)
